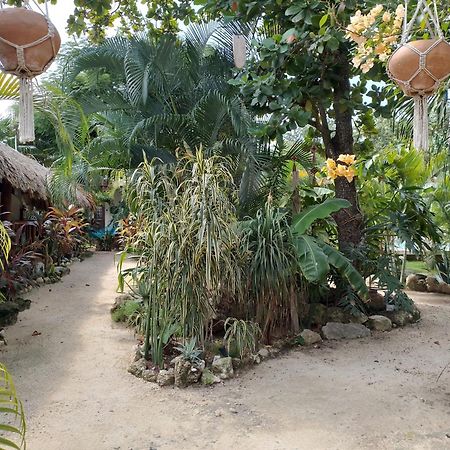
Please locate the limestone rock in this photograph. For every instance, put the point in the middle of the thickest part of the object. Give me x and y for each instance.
(376, 301)
(256, 359)
(360, 318)
(400, 318)
(187, 372)
(61, 270)
(416, 282)
(264, 353)
(149, 375)
(317, 314)
(137, 367)
(444, 288)
(310, 337)
(433, 284)
(120, 300)
(208, 378)
(379, 323)
(40, 280)
(334, 330)
(336, 314)
(39, 269)
(223, 367)
(166, 377)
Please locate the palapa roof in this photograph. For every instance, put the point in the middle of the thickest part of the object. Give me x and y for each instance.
(24, 173)
(29, 176)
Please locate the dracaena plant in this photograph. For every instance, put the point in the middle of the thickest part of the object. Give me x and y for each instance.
(65, 230)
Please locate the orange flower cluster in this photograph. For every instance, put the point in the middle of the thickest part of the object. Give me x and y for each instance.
(343, 167)
(376, 34)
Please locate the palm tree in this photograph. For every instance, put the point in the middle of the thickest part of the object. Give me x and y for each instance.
(164, 94)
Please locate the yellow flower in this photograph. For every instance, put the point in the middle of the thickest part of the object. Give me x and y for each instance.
(341, 171)
(390, 40)
(357, 60)
(376, 10)
(351, 173)
(383, 57)
(331, 164)
(302, 173)
(380, 49)
(400, 11)
(347, 159)
(367, 66)
(387, 17)
(332, 175)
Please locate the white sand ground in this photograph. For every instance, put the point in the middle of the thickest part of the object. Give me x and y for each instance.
(374, 393)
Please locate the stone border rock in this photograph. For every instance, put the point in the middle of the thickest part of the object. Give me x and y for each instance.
(182, 373)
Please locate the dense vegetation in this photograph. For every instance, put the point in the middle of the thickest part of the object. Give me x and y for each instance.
(247, 195)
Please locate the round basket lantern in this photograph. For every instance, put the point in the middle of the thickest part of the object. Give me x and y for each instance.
(29, 43)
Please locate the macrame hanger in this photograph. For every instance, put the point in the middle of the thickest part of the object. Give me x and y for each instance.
(26, 108)
(420, 122)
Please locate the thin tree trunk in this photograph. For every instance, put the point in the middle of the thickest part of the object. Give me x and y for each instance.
(295, 324)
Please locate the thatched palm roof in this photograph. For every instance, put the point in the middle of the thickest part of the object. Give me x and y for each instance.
(30, 177)
(23, 173)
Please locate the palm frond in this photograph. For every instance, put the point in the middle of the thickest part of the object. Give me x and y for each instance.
(9, 87)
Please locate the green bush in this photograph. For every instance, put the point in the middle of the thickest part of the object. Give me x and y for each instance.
(127, 312)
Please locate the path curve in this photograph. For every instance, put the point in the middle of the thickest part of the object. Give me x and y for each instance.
(375, 393)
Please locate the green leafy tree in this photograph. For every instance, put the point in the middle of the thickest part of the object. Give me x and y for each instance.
(94, 17)
(300, 75)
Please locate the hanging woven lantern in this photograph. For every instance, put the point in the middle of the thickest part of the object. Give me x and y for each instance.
(418, 67)
(239, 50)
(29, 43)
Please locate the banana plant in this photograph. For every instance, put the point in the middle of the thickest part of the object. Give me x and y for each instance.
(315, 257)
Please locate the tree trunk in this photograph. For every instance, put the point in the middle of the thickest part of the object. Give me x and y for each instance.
(349, 221)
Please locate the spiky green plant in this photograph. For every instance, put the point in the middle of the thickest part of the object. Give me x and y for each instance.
(12, 423)
(272, 268)
(189, 351)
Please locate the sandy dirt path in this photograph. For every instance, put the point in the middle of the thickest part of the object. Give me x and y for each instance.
(374, 393)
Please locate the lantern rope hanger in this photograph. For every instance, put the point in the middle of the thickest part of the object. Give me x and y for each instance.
(23, 66)
(425, 54)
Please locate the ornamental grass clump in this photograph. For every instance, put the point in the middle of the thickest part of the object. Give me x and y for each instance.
(188, 243)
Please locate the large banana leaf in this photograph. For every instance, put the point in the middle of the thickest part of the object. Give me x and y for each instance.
(12, 425)
(312, 260)
(307, 217)
(9, 87)
(346, 269)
